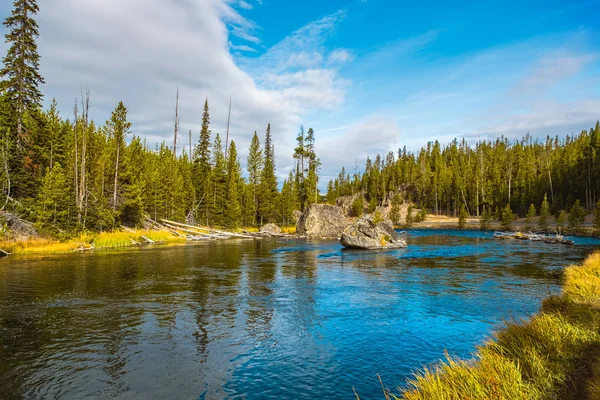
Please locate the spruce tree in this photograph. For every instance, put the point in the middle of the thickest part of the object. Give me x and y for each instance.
(507, 217)
(395, 211)
(544, 215)
(217, 185)
(202, 163)
(576, 217)
(52, 205)
(462, 217)
(119, 128)
(486, 219)
(268, 184)
(255, 168)
(409, 216)
(20, 71)
(530, 218)
(233, 212)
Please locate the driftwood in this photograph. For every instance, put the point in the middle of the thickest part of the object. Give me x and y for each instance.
(556, 239)
(19, 225)
(206, 229)
(4, 253)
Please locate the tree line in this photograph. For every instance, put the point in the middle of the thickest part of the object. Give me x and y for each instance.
(70, 174)
(500, 178)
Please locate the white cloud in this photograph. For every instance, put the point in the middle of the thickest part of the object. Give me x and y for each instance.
(185, 44)
(339, 56)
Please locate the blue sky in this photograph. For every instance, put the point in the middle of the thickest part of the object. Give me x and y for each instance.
(368, 75)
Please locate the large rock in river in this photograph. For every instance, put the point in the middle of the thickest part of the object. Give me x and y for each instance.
(321, 220)
(366, 234)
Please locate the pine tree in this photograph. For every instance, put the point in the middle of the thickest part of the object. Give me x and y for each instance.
(20, 72)
(268, 184)
(576, 217)
(395, 211)
(507, 218)
(233, 212)
(217, 185)
(202, 163)
(462, 217)
(486, 219)
(544, 215)
(409, 216)
(52, 204)
(255, 168)
(118, 127)
(530, 218)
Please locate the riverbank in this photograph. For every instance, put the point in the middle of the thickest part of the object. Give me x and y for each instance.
(555, 355)
(103, 240)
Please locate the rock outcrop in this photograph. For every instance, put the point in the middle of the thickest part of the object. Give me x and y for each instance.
(321, 221)
(270, 229)
(366, 234)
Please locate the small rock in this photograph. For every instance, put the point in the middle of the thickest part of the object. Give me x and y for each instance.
(368, 235)
(270, 229)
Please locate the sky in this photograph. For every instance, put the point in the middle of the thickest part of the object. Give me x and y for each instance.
(369, 76)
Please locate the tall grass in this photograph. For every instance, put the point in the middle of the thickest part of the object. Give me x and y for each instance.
(555, 355)
(102, 240)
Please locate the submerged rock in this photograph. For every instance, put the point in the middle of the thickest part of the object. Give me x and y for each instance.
(270, 229)
(368, 235)
(322, 221)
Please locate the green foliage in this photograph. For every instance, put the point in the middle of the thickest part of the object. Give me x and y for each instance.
(462, 218)
(485, 219)
(422, 214)
(377, 217)
(255, 167)
(372, 205)
(561, 220)
(268, 193)
(395, 210)
(530, 218)
(357, 207)
(506, 218)
(544, 215)
(576, 217)
(409, 216)
(233, 213)
(20, 71)
(53, 204)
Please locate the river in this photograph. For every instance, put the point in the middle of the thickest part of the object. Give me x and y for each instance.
(261, 319)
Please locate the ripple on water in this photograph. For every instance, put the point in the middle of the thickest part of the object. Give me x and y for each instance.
(261, 319)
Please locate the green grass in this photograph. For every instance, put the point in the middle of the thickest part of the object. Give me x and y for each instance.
(124, 238)
(555, 355)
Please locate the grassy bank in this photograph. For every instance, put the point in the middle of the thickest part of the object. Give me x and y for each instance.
(104, 240)
(555, 355)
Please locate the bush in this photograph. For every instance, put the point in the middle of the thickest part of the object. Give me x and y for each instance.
(576, 217)
(357, 207)
(486, 218)
(507, 218)
(409, 216)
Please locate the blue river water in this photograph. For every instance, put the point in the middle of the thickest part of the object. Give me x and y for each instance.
(262, 319)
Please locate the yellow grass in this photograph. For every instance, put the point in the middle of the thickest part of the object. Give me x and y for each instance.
(104, 240)
(555, 355)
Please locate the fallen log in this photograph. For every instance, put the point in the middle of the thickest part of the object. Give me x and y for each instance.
(201, 228)
(4, 253)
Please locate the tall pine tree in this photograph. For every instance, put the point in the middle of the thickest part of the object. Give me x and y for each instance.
(21, 77)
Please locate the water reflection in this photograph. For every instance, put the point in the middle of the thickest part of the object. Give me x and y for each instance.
(260, 319)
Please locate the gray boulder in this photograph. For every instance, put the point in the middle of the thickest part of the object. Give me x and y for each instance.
(270, 229)
(321, 221)
(366, 234)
